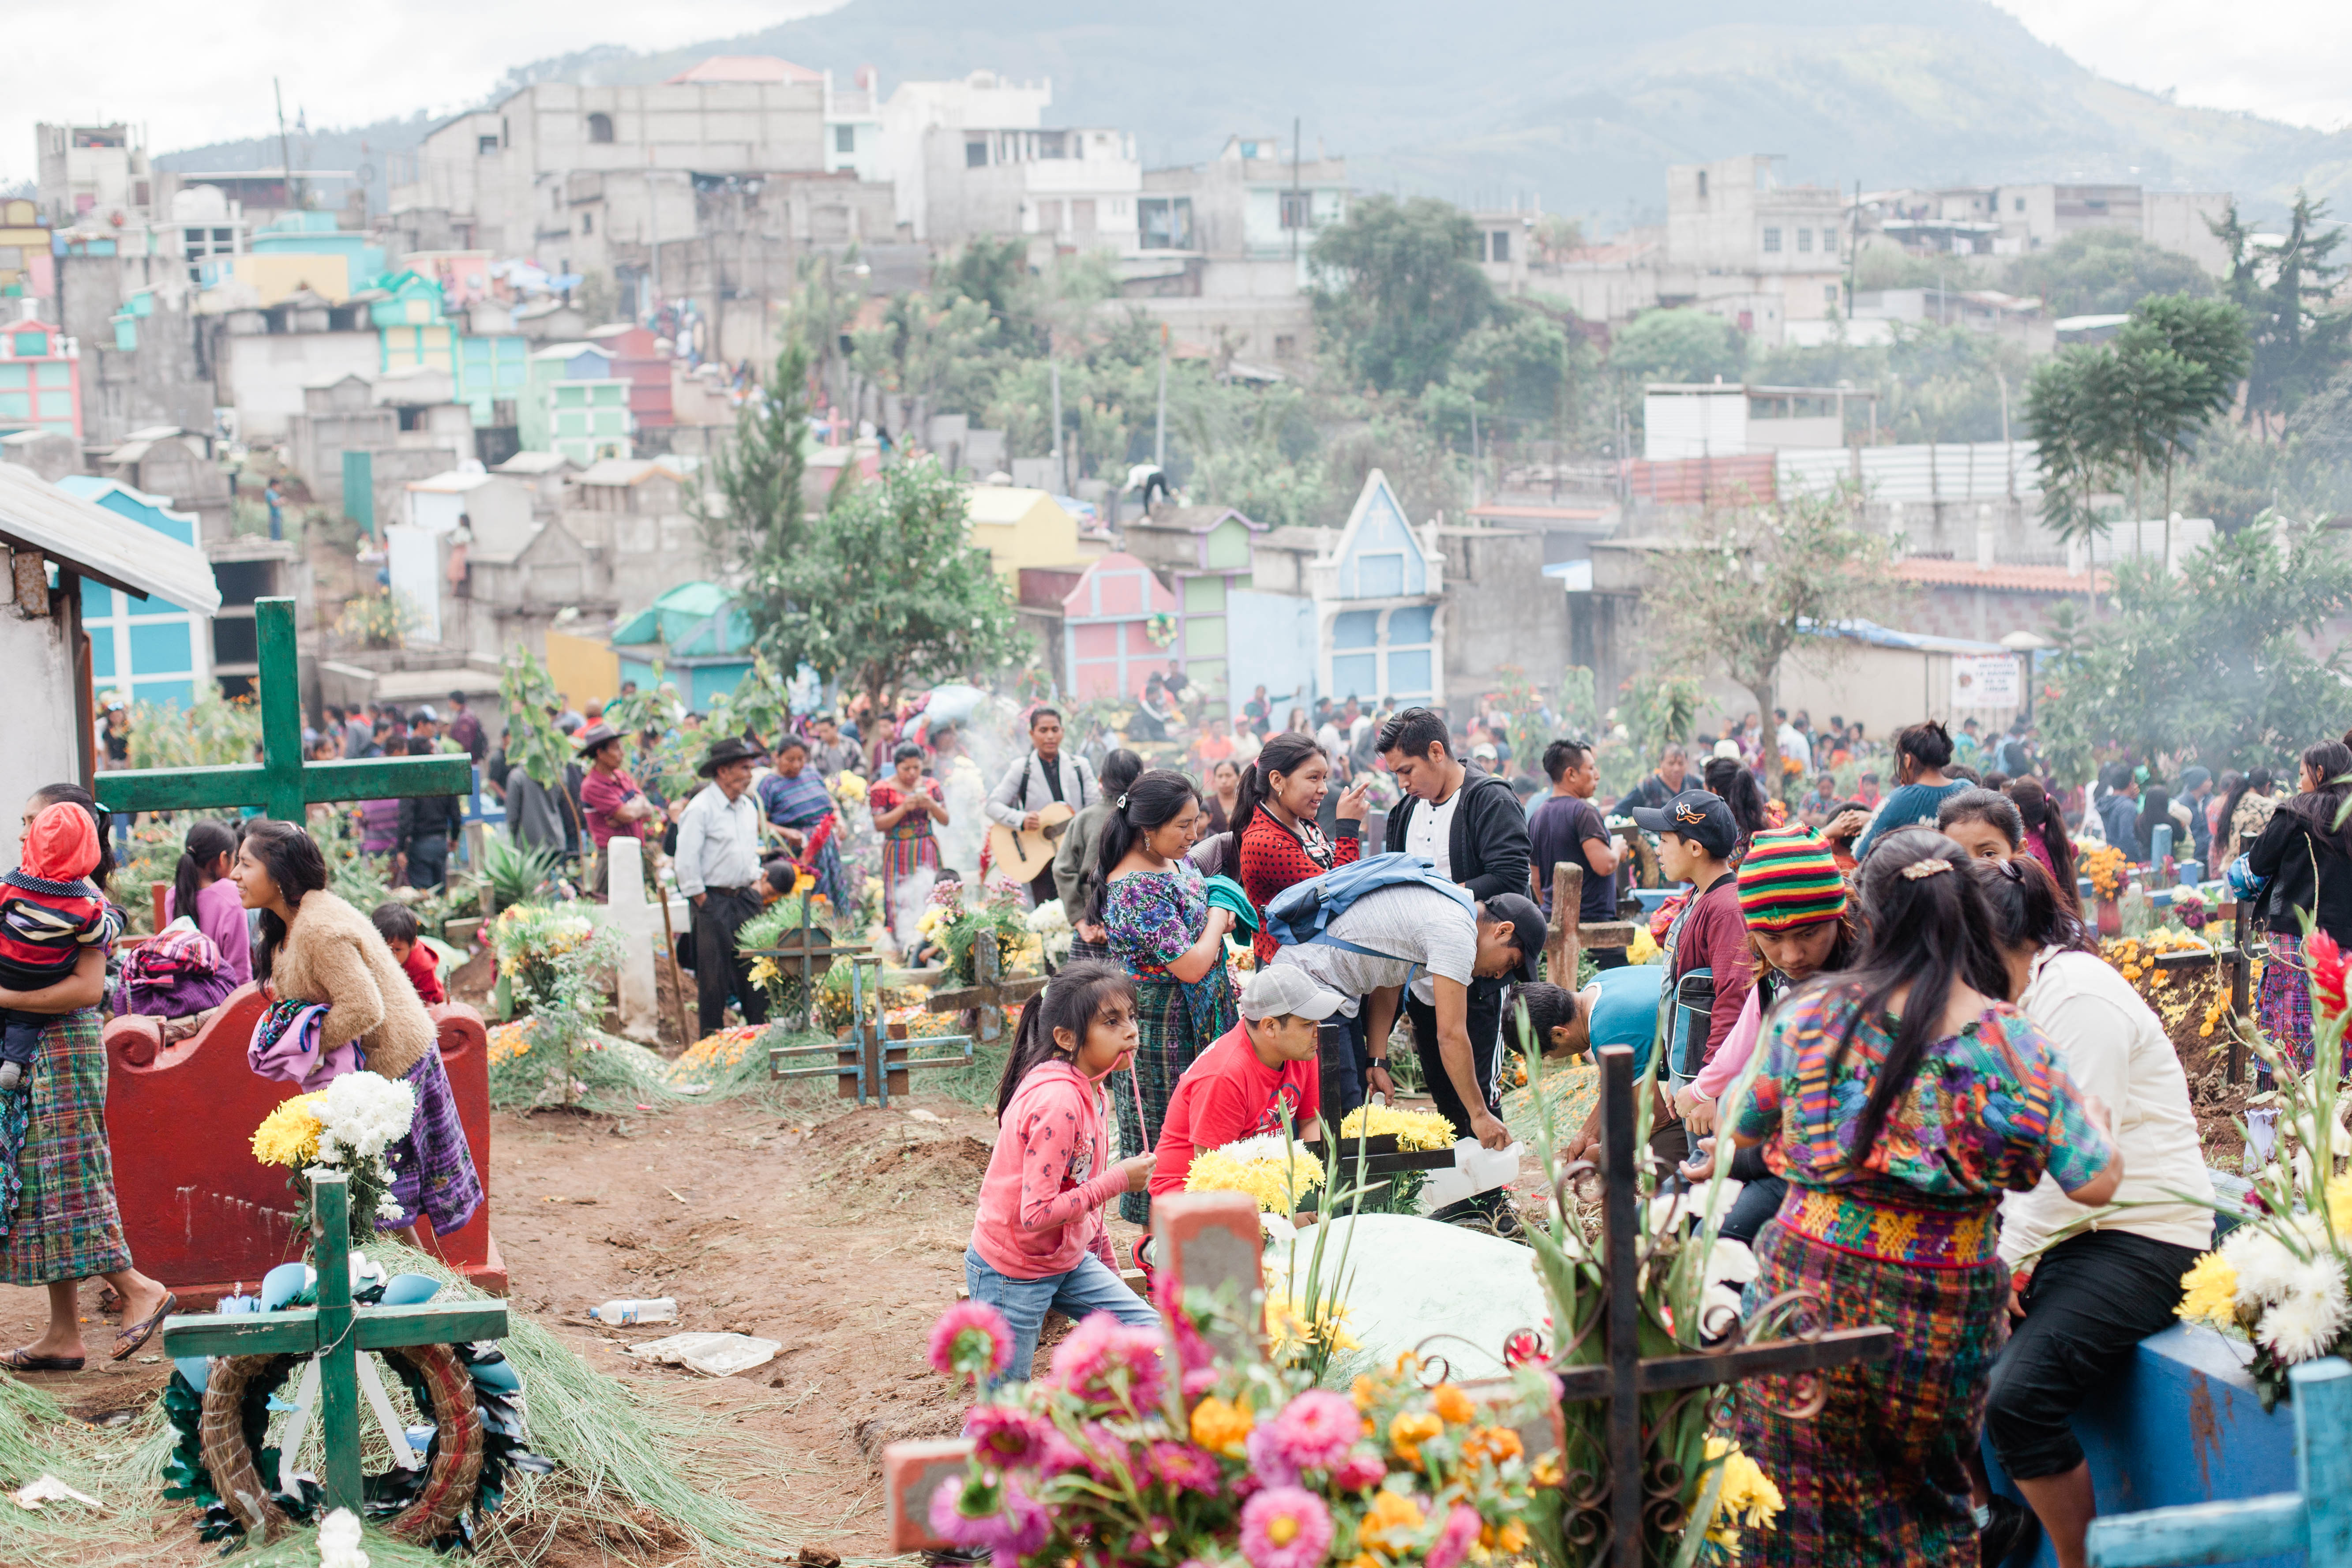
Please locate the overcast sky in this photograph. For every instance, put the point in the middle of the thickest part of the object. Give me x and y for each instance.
(193, 81)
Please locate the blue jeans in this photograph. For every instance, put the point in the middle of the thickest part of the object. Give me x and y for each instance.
(1087, 1289)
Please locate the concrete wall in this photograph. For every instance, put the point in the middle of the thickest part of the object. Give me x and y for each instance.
(262, 375)
(1501, 608)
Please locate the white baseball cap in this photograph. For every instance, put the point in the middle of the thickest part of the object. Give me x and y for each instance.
(1286, 990)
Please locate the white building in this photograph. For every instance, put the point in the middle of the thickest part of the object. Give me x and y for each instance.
(2015, 220)
(852, 128)
(981, 102)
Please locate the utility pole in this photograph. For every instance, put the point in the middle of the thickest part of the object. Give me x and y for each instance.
(284, 148)
(1159, 424)
(1297, 214)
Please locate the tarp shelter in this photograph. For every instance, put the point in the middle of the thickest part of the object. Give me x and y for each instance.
(57, 542)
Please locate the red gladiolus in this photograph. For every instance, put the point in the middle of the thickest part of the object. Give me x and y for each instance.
(2327, 963)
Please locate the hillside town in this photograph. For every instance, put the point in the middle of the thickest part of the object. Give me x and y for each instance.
(883, 828)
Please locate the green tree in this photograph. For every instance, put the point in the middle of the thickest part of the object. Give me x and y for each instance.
(888, 593)
(750, 505)
(1249, 448)
(1750, 582)
(2215, 663)
(2068, 402)
(2286, 288)
(2103, 272)
(927, 353)
(1399, 291)
(2188, 356)
(1679, 345)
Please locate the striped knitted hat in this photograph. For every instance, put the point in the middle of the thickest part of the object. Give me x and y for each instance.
(1789, 879)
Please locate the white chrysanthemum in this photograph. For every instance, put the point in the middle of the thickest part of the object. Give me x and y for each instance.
(1047, 919)
(1729, 1263)
(339, 1541)
(363, 1114)
(2266, 1269)
(2304, 1323)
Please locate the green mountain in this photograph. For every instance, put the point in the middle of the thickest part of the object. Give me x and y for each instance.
(1580, 104)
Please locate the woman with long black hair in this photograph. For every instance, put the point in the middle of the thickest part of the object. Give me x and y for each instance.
(1900, 1100)
(1922, 752)
(2304, 859)
(2046, 838)
(1729, 778)
(203, 889)
(316, 950)
(1154, 909)
(1280, 844)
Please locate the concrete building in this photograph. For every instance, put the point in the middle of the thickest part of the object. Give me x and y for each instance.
(1732, 420)
(1020, 527)
(519, 178)
(983, 103)
(2017, 219)
(1221, 250)
(852, 128)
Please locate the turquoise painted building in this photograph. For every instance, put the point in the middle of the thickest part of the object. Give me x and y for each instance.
(1381, 611)
(315, 234)
(698, 635)
(148, 649)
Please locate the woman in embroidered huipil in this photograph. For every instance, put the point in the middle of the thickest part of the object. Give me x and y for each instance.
(905, 805)
(1151, 903)
(1899, 1100)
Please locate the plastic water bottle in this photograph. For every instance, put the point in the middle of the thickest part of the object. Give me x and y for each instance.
(661, 1310)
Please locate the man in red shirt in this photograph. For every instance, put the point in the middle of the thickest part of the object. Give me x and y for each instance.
(608, 797)
(1258, 1077)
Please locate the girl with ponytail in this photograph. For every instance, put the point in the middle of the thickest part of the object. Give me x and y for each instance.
(2046, 840)
(1038, 1243)
(1902, 1097)
(1154, 909)
(203, 889)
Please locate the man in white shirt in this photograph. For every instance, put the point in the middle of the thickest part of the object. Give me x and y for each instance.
(1793, 742)
(718, 864)
(1041, 778)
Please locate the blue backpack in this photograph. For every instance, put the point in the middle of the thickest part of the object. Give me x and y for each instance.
(1303, 912)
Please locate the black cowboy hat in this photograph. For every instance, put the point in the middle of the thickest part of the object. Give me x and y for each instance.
(593, 738)
(732, 749)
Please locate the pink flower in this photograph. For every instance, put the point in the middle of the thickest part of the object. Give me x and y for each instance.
(1315, 1430)
(1005, 1435)
(1455, 1538)
(1185, 1468)
(1523, 1347)
(1057, 1454)
(1091, 1361)
(1002, 1518)
(1198, 1381)
(971, 1340)
(1287, 1527)
(1268, 1460)
(1360, 1472)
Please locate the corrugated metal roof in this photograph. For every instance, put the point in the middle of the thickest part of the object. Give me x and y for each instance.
(102, 544)
(1876, 635)
(1941, 471)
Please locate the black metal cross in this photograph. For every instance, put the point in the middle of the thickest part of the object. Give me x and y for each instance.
(1624, 1376)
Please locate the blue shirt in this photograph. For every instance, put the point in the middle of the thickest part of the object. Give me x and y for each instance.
(1911, 805)
(1626, 1011)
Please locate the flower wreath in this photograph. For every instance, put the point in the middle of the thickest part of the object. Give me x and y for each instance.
(470, 1393)
(1160, 628)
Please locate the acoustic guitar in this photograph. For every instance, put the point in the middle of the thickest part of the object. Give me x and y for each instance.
(1024, 856)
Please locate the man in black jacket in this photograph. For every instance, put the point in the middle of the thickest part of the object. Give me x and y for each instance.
(1472, 826)
(430, 825)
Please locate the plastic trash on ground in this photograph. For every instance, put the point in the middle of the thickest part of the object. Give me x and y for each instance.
(656, 1310)
(713, 1355)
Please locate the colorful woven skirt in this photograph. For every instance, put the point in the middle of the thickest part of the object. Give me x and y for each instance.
(67, 1226)
(1877, 1477)
(1166, 1041)
(901, 858)
(2283, 1001)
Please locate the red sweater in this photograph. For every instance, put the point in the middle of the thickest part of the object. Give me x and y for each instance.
(1271, 860)
(423, 973)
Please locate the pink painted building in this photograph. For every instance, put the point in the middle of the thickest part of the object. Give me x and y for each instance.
(1107, 629)
(40, 379)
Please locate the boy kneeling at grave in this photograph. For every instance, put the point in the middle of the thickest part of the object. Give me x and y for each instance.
(1258, 1077)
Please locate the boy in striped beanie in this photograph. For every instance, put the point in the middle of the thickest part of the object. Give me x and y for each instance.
(1789, 879)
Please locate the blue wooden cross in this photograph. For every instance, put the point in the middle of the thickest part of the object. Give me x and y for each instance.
(2315, 1520)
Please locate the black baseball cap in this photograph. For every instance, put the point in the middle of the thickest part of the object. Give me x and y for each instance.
(1528, 931)
(1700, 815)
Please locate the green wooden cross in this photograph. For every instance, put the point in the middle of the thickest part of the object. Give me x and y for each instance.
(336, 1332)
(281, 784)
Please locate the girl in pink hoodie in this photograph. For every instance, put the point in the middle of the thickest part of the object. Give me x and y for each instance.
(1038, 1243)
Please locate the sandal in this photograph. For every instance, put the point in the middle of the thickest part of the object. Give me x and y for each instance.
(134, 1336)
(25, 1360)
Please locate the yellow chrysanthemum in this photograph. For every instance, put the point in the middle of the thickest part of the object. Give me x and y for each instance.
(1222, 1426)
(762, 971)
(2212, 1290)
(1414, 1130)
(1293, 1332)
(1749, 1499)
(1264, 1180)
(289, 1134)
(2339, 1202)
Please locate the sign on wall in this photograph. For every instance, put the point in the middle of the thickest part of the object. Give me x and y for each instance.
(1984, 680)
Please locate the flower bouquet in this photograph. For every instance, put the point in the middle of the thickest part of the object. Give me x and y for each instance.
(1275, 1172)
(558, 965)
(1407, 1131)
(1051, 926)
(347, 1127)
(2278, 1280)
(1123, 1455)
